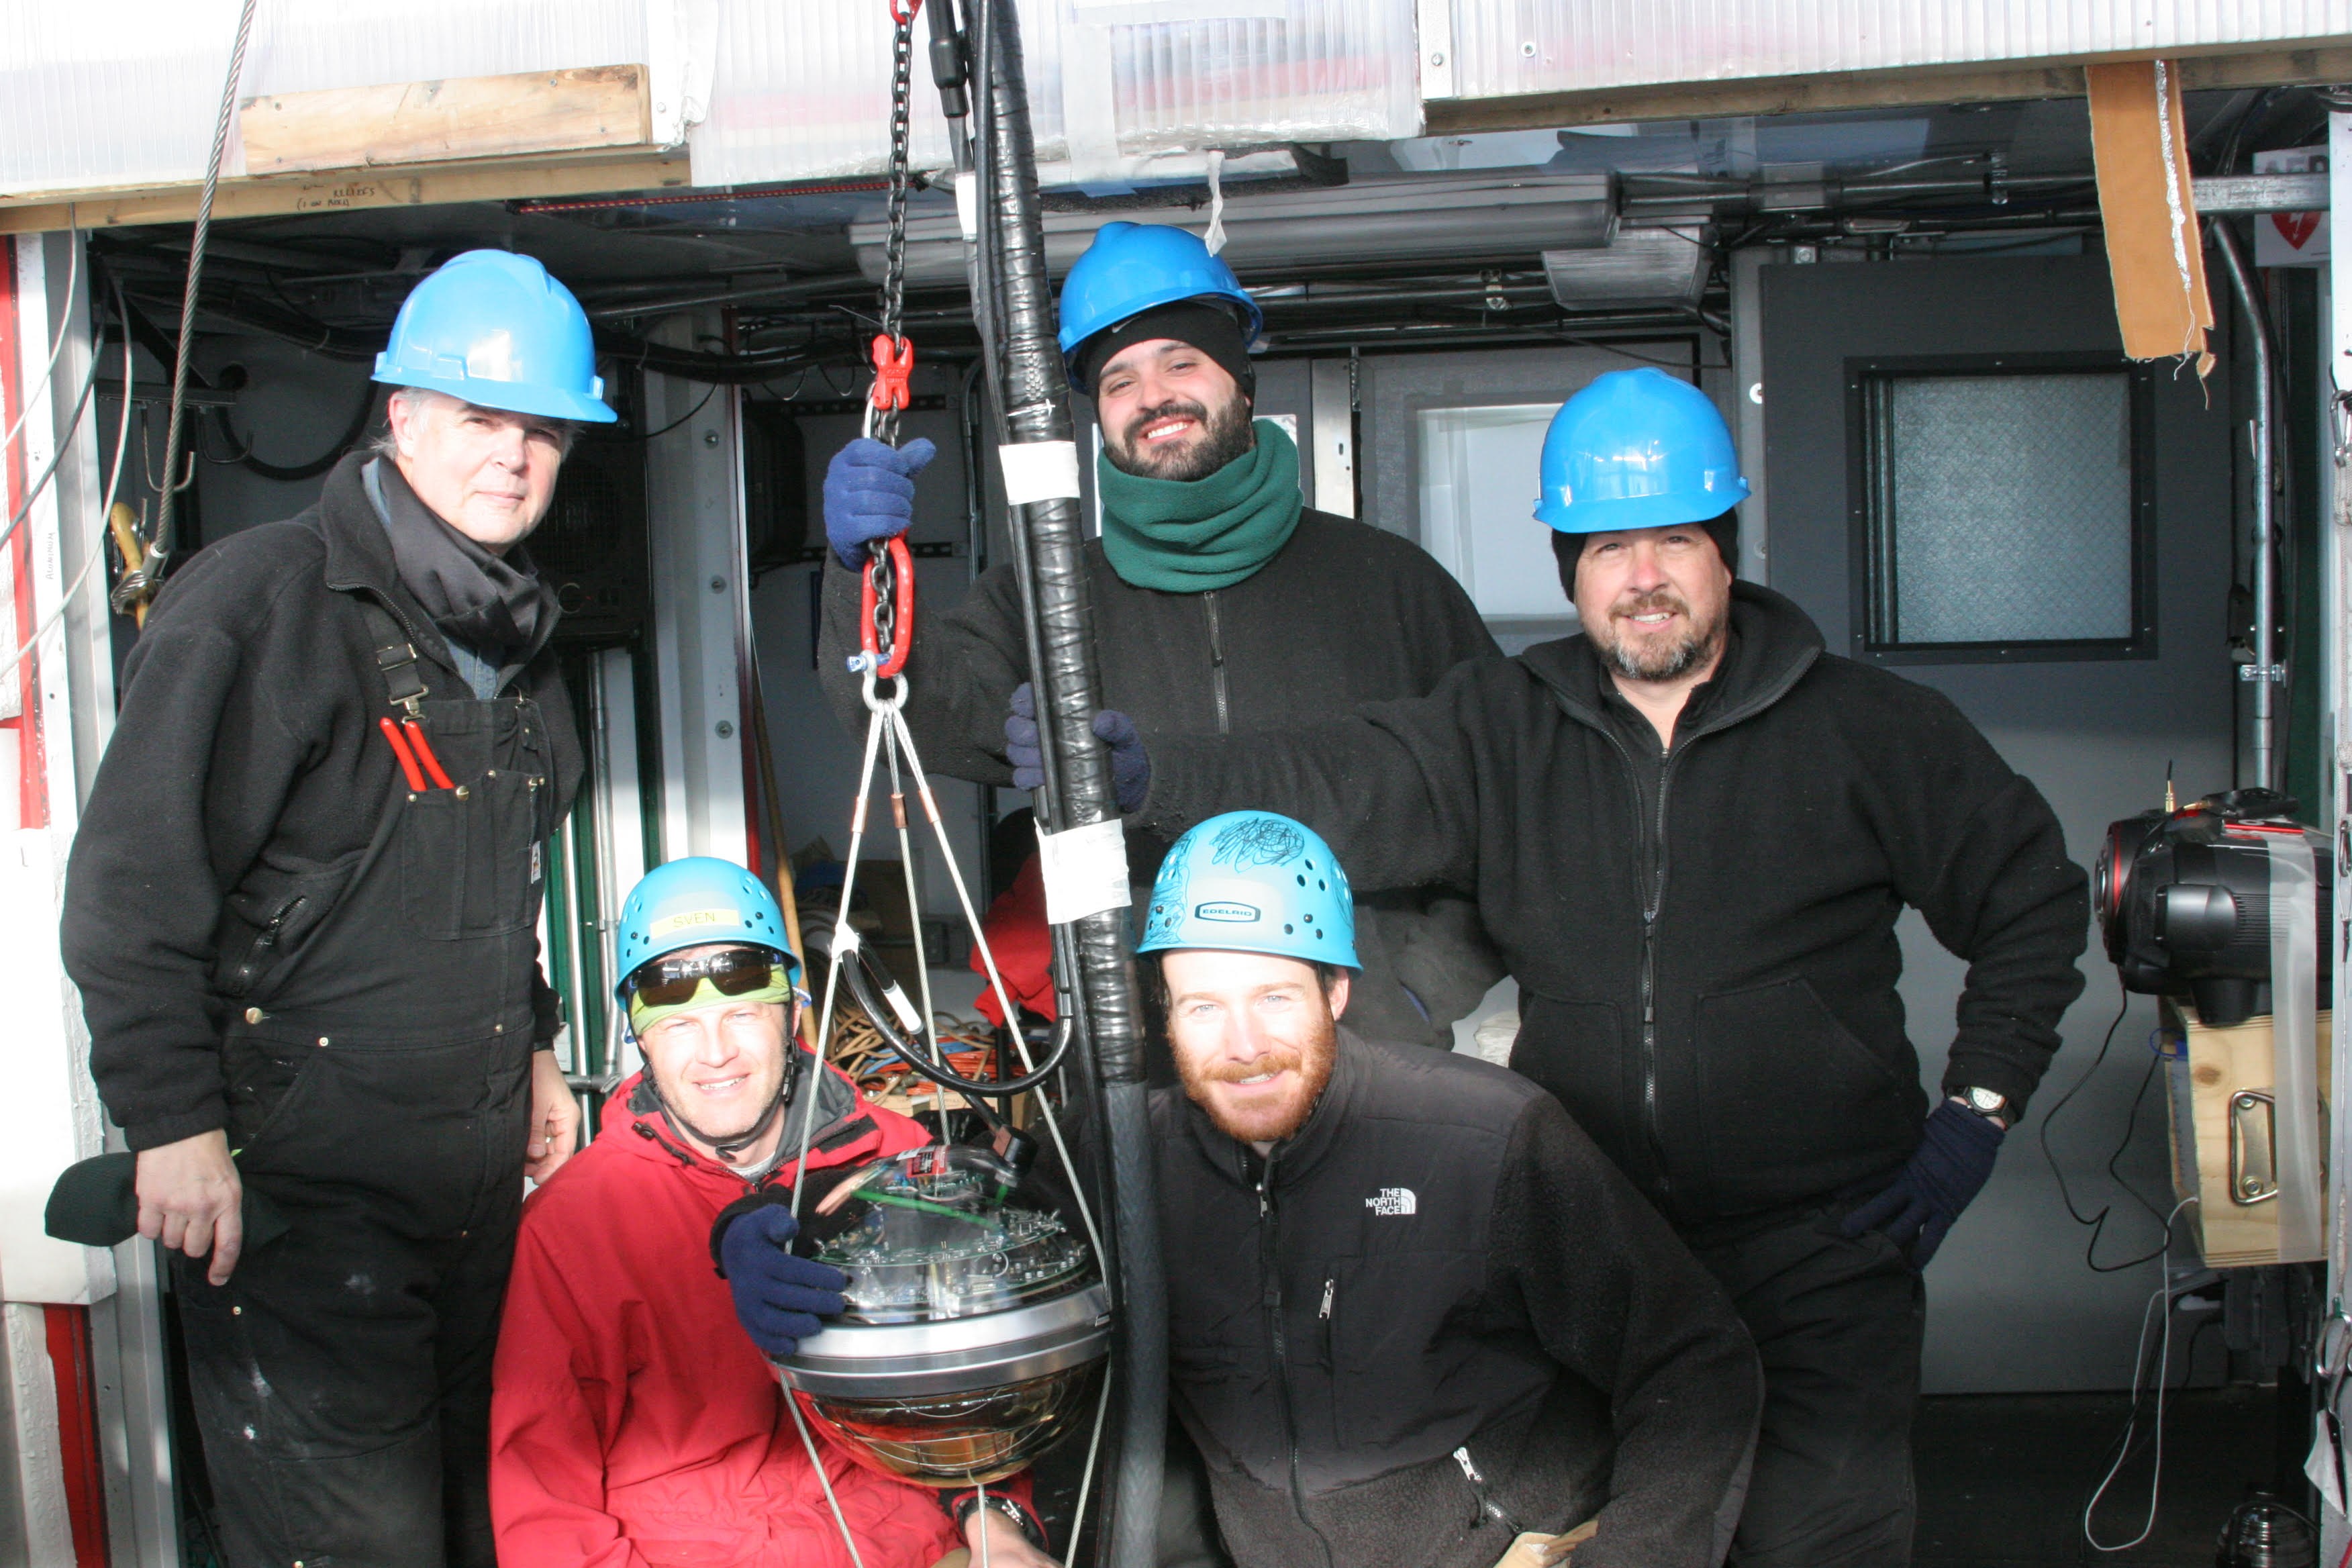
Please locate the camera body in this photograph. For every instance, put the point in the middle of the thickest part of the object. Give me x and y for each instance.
(2184, 899)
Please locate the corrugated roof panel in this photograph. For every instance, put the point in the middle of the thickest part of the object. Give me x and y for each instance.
(1504, 47)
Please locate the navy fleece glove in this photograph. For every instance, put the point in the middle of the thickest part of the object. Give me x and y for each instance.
(1946, 1173)
(1130, 768)
(779, 1298)
(869, 494)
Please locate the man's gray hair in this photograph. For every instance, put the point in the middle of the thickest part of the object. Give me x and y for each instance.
(386, 446)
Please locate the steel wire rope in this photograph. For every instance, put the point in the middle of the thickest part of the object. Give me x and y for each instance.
(65, 438)
(159, 542)
(105, 510)
(57, 344)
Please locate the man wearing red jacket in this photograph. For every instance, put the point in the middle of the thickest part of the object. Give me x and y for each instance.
(633, 1425)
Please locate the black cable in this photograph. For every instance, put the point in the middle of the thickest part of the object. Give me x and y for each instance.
(2098, 1222)
(290, 473)
(673, 423)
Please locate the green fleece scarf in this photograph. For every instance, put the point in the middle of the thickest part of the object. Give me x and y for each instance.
(1188, 536)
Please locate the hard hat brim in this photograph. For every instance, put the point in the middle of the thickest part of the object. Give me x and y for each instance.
(1618, 514)
(513, 397)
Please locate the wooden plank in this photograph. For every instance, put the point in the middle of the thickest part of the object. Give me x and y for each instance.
(2221, 1062)
(405, 123)
(493, 180)
(2317, 61)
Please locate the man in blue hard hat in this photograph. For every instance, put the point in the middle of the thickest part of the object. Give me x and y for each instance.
(1691, 830)
(303, 911)
(1223, 604)
(635, 1421)
(1445, 1330)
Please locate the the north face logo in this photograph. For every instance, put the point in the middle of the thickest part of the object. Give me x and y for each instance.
(1391, 1200)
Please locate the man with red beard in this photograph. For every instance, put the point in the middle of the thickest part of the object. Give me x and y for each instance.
(1441, 1328)
(1691, 831)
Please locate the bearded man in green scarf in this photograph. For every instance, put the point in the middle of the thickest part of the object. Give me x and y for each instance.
(1223, 604)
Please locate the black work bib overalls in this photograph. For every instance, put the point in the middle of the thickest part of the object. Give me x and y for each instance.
(378, 1072)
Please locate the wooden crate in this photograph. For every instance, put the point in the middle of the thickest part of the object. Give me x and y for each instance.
(2216, 1064)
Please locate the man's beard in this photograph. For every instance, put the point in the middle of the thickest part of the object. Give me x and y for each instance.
(1224, 435)
(1311, 1057)
(1653, 661)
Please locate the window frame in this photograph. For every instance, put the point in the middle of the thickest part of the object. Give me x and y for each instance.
(1866, 587)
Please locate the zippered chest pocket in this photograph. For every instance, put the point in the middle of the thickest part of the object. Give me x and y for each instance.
(470, 860)
(1385, 1326)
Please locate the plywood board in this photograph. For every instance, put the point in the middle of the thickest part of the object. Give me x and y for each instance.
(431, 121)
(2220, 1063)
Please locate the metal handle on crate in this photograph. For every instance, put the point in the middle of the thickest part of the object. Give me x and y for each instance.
(2253, 1162)
(2253, 1146)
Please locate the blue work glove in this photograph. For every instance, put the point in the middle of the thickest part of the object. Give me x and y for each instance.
(779, 1298)
(869, 494)
(1944, 1175)
(1130, 768)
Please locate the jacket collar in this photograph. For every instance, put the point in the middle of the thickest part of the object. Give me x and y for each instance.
(1775, 645)
(1290, 1160)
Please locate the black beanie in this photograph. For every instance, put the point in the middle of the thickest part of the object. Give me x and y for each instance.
(1209, 328)
(1568, 549)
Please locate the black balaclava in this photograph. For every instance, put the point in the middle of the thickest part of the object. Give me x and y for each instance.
(1568, 549)
(494, 605)
(1209, 328)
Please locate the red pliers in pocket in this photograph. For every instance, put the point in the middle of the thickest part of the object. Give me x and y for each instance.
(421, 751)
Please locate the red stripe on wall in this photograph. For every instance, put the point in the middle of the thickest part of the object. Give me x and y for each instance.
(78, 1432)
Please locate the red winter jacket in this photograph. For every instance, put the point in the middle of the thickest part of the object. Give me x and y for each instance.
(633, 1424)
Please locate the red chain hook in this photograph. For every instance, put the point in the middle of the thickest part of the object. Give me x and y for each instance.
(894, 364)
(902, 612)
(902, 14)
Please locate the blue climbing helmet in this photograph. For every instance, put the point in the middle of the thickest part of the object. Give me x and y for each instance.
(1637, 449)
(699, 901)
(494, 329)
(1132, 267)
(1254, 881)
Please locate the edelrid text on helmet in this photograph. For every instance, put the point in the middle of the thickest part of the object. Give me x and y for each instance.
(1254, 881)
(1637, 449)
(494, 329)
(1132, 267)
(699, 901)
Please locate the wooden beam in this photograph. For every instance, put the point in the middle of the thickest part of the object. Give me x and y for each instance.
(405, 123)
(488, 181)
(2319, 61)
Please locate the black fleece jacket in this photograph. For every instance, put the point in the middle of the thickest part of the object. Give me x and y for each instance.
(1440, 1260)
(245, 768)
(1710, 984)
(1343, 613)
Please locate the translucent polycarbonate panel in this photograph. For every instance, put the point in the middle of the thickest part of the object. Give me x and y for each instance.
(2002, 508)
(125, 92)
(802, 90)
(1478, 484)
(1505, 46)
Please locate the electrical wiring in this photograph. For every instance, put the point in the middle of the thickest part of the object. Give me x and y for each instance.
(65, 440)
(2160, 1296)
(57, 344)
(2098, 1222)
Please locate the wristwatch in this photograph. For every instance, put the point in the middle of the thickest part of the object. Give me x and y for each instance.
(960, 1506)
(1990, 1104)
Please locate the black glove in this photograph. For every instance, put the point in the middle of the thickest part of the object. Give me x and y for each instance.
(780, 1298)
(1131, 767)
(1946, 1173)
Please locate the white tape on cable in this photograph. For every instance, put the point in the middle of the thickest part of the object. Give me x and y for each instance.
(1040, 471)
(1085, 871)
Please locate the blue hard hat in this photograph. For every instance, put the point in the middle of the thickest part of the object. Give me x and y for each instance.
(698, 902)
(494, 329)
(1637, 449)
(1254, 881)
(1132, 267)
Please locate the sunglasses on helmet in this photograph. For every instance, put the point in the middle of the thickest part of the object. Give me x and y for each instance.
(732, 971)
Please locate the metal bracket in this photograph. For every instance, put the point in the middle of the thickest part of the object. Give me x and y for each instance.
(2254, 1167)
(2276, 672)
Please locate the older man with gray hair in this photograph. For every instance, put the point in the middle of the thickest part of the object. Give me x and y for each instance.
(303, 911)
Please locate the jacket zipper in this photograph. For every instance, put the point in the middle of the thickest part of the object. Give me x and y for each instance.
(1269, 1262)
(1217, 662)
(1654, 855)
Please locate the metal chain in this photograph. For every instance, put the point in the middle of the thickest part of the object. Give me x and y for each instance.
(882, 423)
